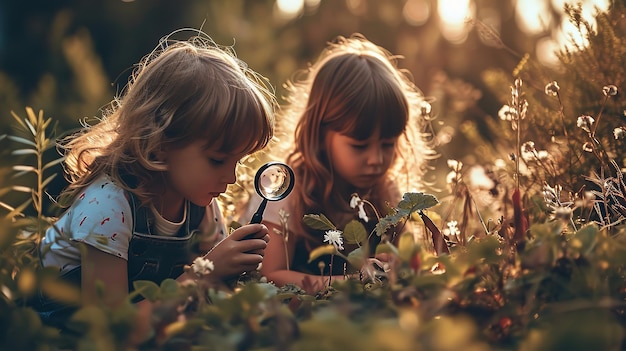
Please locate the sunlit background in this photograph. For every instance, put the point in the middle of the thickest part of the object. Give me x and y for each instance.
(532, 16)
(70, 58)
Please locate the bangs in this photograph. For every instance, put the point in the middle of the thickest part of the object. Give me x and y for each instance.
(384, 110)
(369, 94)
(231, 113)
(245, 126)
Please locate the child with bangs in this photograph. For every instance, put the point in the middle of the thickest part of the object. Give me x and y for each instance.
(358, 130)
(145, 180)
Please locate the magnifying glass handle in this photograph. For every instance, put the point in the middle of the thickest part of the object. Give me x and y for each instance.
(258, 215)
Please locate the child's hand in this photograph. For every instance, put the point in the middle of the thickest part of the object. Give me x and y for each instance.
(233, 255)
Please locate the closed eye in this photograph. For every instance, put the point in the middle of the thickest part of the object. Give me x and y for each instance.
(216, 162)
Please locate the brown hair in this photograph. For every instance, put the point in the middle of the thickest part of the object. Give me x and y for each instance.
(183, 91)
(354, 88)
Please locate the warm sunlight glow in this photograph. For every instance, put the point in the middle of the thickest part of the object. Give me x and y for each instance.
(288, 9)
(567, 35)
(453, 14)
(416, 12)
(532, 16)
(546, 51)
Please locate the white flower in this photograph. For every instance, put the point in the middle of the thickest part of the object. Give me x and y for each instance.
(452, 227)
(585, 122)
(202, 266)
(507, 113)
(362, 213)
(552, 89)
(355, 202)
(334, 237)
(609, 90)
(455, 165)
(425, 108)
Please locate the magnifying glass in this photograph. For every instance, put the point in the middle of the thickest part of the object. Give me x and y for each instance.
(273, 181)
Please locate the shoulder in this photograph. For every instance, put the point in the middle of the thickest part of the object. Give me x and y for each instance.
(101, 195)
(100, 216)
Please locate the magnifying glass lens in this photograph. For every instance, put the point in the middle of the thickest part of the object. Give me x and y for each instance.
(273, 182)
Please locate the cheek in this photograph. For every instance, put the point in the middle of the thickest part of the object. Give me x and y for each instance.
(389, 157)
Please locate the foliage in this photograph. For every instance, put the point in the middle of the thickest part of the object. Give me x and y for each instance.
(546, 274)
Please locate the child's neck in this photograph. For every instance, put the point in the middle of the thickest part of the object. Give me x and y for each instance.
(171, 208)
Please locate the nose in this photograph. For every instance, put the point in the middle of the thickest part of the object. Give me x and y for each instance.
(229, 176)
(375, 155)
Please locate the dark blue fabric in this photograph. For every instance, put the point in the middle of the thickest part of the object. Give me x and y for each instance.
(150, 257)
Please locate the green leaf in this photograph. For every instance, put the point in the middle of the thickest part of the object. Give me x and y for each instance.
(147, 289)
(48, 180)
(354, 232)
(318, 222)
(389, 220)
(588, 237)
(417, 201)
(21, 168)
(24, 152)
(407, 246)
(387, 248)
(169, 288)
(30, 127)
(22, 140)
(19, 209)
(53, 162)
(485, 250)
(321, 251)
(357, 257)
(18, 119)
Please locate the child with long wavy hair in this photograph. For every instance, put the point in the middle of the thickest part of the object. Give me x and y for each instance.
(145, 180)
(358, 129)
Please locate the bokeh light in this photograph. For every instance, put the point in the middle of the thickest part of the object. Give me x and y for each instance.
(453, 15)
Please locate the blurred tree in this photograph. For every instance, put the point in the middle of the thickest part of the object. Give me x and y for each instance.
(69, 57)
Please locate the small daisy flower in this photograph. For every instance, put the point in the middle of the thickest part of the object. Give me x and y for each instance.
(552, 89)
(585, 122)
(425, 108)
(335, 238)
(452, 228)
(619, 133)
(507, 113)
(529, 153)
(609, 90)
(202, 266)
(455, 165)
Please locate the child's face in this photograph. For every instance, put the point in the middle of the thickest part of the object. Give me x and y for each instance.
(361, 163)
(199, 174)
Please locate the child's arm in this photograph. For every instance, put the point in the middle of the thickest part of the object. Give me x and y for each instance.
(109, 273)
(275, 265)
(231, 257)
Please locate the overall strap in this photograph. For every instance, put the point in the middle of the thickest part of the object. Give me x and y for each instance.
(142, 218)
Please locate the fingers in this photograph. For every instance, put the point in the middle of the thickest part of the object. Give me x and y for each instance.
(258, 231)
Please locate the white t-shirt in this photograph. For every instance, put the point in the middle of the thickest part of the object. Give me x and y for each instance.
(101, 217)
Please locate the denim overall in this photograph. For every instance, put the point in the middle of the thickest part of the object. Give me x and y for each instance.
(150, 257)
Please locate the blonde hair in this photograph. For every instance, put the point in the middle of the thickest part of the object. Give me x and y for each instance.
(354, 88)
(181, 92)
